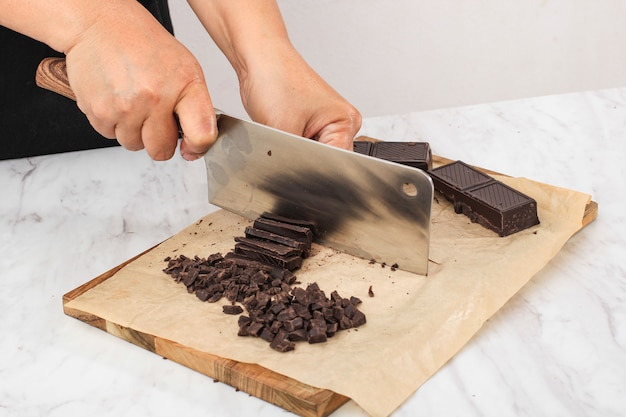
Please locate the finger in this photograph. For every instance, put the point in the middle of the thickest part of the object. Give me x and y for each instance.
(197, 121)
(126, 128)
(341, 133)
(129, 136)
(342, 141)
(106, 129)
(160, 136)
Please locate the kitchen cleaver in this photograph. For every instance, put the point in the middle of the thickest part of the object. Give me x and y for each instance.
(367, 207)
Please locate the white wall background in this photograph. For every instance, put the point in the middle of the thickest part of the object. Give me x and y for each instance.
(398, 56)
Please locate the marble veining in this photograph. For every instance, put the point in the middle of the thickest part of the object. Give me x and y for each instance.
(557, 348)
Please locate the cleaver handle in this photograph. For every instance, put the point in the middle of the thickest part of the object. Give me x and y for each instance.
(52, 75)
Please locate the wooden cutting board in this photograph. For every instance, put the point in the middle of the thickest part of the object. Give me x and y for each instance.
(285, 392)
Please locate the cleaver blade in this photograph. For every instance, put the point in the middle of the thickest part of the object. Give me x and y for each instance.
(366, 207)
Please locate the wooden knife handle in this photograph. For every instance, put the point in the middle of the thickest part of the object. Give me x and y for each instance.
(52, 75)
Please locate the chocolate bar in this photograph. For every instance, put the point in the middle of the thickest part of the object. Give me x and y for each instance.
(363, 147)
(483, 199)
(413, 154)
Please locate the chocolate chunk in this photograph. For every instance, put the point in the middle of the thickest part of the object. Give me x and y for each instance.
(287, 314)
(267, 335)
(255, 329)
(299, 233)
(274, 249)
(281, 342)
(276, 312)
(288, 220)
(232, 309)
(291, 262)
(485, 200)
(243, 320)
(358, 318)
(298, 335)
(293, 324)
(252, 232)
(203, 295)
(317, 331)
(413, 154)
(363, 147)
(331, 329)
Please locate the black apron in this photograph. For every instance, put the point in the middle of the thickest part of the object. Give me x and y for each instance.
(34, 121)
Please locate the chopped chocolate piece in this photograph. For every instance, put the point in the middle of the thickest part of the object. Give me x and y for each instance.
(338, 313)
(262, 299)
(345, 323)
(244, 262)
(274, 249)
(282, 343)
(215, 297)
(277, 308)
(355, 300)
(317, 331)
(485, 200)
(267, 335)
(298, 335)
(243, 320)
(317, 315)
(214, 258)
(349, 310)
(203, 295)
(358, 318)
(251, 232)
(291, 263)
(302, 311)
(232, 309)
(276, 312)
(243, 330)
(287, 314)
(275, 326)
(255, 329)
(190, 277)
(293, 324)
(299, 295)
(370, 292)
(331, 329)
(299, 233)
(363, 147)
(288, 220)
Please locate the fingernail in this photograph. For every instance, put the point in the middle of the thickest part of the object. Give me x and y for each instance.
(190, 156)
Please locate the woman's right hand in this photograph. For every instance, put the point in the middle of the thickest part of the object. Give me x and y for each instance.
(132, 79)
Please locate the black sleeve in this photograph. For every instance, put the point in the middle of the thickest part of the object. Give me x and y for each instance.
(34, 121)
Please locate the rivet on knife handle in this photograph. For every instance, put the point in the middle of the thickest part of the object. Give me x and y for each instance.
(52, 75)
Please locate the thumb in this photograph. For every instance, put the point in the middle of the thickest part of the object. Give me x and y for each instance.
(197, 121)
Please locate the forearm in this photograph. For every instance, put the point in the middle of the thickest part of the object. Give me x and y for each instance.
(60, 24)
(244, 30)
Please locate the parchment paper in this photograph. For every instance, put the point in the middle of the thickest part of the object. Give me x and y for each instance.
(414, 323)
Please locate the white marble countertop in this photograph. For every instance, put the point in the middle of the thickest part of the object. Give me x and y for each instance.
(557, 348)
